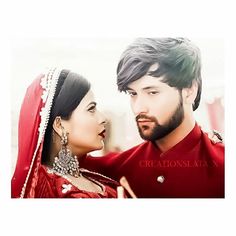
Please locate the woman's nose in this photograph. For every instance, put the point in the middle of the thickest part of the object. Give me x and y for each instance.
(103, 119)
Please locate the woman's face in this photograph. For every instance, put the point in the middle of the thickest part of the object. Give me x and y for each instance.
(86, 127)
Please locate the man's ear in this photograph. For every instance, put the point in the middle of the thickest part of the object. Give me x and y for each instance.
(190, 94)
(57, 125)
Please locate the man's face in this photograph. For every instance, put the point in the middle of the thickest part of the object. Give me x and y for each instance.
(157, 106)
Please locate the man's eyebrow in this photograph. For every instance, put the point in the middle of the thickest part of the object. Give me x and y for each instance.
(146, 88)
(128, 88)
(150, 87)
(92, 103)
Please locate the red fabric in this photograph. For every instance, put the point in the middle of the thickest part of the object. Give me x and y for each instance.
(192, 168)
(27, 134)
(51, 186)
(39, 182)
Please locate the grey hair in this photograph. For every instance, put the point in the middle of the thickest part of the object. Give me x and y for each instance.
(178, 60)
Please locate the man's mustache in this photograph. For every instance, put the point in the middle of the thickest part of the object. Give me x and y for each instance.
(145, 117)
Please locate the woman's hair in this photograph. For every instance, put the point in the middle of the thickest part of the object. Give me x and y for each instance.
(71, 89)
(178, 59)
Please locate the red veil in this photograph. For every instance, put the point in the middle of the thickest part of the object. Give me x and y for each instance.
(34, 115)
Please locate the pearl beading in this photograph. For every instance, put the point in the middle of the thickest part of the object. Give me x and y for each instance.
(49, 84)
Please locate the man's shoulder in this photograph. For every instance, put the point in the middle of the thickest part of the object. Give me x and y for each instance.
(214, 150)
(211, 143)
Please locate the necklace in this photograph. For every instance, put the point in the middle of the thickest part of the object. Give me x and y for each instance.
(81, 171)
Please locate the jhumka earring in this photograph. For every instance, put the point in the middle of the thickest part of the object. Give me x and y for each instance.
(65, 163)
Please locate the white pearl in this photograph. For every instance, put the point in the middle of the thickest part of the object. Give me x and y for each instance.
(160, 179)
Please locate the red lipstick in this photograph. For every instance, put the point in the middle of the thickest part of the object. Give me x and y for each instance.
(102, 134)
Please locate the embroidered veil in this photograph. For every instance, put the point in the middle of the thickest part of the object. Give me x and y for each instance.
(33, 120)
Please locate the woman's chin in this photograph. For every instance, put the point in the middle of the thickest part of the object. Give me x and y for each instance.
(98, 147)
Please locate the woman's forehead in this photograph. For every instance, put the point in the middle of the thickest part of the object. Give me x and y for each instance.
(87, 99)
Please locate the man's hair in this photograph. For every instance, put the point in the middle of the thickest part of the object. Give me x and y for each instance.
(178, 60)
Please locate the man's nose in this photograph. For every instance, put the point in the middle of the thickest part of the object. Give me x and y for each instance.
(139, 106)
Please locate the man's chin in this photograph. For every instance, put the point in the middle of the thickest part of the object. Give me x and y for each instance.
(145, 135)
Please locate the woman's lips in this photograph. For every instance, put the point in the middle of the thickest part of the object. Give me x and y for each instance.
(102, 134)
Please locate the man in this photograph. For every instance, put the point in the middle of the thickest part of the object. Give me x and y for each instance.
(163, 78)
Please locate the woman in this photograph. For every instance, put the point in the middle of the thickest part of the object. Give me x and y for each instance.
(59, 124)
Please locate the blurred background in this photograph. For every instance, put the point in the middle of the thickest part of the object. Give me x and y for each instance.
(97, 59)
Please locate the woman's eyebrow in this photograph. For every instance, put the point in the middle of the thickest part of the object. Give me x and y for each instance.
(92, 103)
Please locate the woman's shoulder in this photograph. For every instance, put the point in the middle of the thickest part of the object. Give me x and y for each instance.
(51, 185)
(46, 187)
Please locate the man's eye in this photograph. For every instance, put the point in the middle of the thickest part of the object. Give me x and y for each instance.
(131, 93)
(153, 92)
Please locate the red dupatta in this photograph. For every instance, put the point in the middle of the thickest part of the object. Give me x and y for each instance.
(34, 115)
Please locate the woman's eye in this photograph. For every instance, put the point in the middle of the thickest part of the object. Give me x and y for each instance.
(92, 109)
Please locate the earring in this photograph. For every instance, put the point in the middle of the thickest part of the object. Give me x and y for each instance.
(65, 163)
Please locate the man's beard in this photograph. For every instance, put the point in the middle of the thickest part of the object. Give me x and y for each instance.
(160, 131)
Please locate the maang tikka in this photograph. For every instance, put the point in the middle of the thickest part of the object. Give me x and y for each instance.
(65, 163)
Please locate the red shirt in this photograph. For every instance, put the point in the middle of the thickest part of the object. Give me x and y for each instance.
(192, 168)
